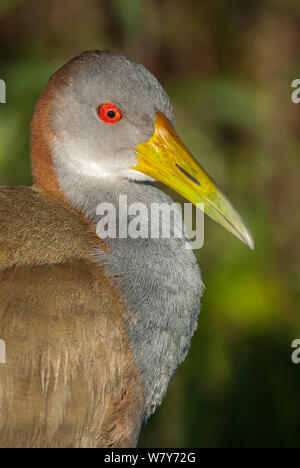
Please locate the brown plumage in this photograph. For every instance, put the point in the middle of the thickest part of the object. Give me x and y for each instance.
(69, 376)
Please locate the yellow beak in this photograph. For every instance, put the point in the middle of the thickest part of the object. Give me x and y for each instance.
(165, 158)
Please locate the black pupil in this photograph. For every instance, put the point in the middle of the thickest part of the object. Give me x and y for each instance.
(111, 114)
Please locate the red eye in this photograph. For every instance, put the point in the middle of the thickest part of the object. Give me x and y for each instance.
(109, 113)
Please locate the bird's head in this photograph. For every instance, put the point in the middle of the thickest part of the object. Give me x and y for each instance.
(107, 117)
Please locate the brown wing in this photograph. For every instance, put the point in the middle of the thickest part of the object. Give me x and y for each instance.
(69, 378)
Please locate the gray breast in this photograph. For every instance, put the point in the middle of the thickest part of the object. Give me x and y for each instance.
(161, 282)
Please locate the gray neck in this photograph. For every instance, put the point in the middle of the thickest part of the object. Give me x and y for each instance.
(159, 278)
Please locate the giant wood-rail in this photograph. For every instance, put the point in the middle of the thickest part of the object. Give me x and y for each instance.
(95, 328)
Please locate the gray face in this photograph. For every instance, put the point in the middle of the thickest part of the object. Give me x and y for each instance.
(90, 145)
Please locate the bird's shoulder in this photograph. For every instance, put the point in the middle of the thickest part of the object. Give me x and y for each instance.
(37, 229)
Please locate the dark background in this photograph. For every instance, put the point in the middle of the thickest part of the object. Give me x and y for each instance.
(228, 68)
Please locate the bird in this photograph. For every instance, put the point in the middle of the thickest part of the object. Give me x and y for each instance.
(94, 326)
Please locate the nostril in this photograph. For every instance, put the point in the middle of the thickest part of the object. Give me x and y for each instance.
(188, 175)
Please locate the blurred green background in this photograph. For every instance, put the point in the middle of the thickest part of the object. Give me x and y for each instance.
(228, 68)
